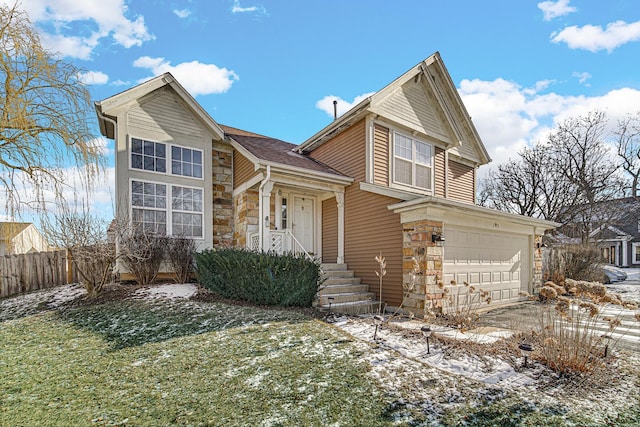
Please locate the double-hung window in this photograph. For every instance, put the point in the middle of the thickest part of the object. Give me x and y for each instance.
(182, 216)
(412, 162)
(154, 157)
(149, 206)
(186, 211)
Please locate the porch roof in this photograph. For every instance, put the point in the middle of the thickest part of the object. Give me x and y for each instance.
(272, 150)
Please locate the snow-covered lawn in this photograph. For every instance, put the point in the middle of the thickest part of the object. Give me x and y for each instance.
(162, 358)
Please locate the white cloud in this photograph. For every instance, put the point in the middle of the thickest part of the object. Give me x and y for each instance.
(108, 16)
(554, 9)
(98, 198)
(509, 117)
(582, 77)
(593, 38)
(182, 13)
(120, 82)
(239, 9)
(326, 103)
(93, 78)
(196, 77)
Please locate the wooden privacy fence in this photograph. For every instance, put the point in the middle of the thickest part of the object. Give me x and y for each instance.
(29, 272)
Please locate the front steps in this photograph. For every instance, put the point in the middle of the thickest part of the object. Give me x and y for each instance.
(344, 292)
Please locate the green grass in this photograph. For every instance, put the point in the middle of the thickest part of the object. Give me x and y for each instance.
(84, 367)
(163, 362)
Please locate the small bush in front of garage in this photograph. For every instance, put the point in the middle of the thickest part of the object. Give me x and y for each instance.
(260, 278)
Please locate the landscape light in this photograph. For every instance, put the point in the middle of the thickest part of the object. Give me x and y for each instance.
(426, 331)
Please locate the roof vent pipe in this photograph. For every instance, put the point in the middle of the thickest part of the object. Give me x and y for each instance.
(335, 109)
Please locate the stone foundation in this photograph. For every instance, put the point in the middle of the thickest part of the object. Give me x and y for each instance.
(421, 266)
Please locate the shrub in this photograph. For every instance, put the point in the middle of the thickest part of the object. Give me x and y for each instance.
(570, 330)
(260, 278)
(578, 262)
(141, 253)
(180, 252)
(94, 265)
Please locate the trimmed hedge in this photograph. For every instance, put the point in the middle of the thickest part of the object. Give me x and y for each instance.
(260, 278)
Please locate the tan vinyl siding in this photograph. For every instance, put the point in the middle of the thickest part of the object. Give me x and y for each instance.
(371, 228)
(461, 182)
(439, 172)
(163, 111)
(329, 230)
(412, 104)
(242, 169)
(381, 149)
(346, 152)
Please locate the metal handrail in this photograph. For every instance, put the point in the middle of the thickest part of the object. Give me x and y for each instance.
(298, 244)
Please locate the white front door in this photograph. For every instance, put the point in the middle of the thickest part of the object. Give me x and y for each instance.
(302, 222)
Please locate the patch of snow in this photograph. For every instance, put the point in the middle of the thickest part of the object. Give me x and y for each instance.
(169, 291)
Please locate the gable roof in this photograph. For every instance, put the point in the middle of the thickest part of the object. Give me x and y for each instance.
(430, 103)
(9, 230)
(107, 107)
(263, 149)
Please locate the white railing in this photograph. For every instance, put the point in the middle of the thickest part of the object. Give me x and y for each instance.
(281, 241)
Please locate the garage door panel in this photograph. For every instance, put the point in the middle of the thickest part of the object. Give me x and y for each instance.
(491, 260)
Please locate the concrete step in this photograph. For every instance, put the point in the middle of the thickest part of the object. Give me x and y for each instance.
(352, 308)
(342, 281)
(346, 297)
(337, 273)
(333, 267)
(346, 288)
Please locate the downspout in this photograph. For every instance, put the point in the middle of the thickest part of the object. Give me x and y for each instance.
(260, 207)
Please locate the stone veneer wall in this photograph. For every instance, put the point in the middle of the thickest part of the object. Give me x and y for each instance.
(223, 220)
(538, 263)
(421, 289)
(246, 216)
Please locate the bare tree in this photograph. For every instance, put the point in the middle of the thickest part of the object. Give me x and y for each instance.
(44, 111)
(628, 145)
(530, 185)
(84, 237)
(583, 159)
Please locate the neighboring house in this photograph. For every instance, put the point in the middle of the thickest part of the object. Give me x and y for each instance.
(21, 238)
(617, 232)
(395, 175)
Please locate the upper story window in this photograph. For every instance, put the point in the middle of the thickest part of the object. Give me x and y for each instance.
(154, 156)
(412, 162)
(186, 162)
(148, 155)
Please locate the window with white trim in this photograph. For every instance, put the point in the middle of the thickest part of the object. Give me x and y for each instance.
(149, 206)
(412, 162)
(184, 215)
(636, 253)
(148, 155)
(186, 162)
(187, 212)
(154, 156)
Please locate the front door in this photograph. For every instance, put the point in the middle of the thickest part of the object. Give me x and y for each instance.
(302, 222)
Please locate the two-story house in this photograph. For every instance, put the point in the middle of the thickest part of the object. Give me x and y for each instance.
(395, 175)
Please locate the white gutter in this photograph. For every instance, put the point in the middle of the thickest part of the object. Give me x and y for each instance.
(260, 207)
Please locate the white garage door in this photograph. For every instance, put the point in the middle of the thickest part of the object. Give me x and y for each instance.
(494, 261)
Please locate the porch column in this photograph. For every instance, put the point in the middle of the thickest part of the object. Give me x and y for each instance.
(340, 202)
(264, 220)
(625, 256)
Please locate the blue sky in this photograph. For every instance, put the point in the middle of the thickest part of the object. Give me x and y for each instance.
(273, 67)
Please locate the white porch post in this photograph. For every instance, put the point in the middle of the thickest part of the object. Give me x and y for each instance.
(340, 202)
(625, 259)
(265, 211)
